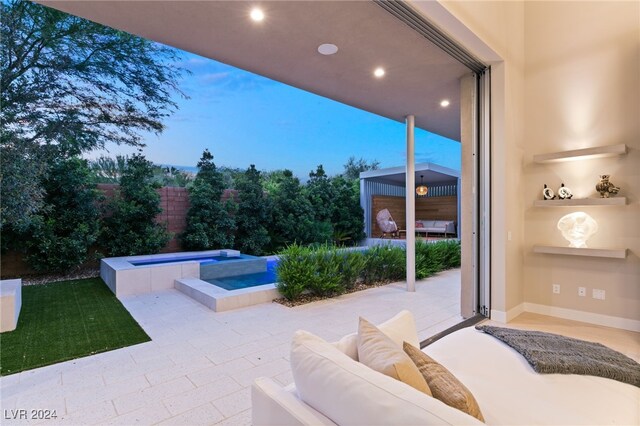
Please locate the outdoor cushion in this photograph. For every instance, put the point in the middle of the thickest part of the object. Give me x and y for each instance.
(350, 393)
(377, 351)
(401, 328)
(444, 385)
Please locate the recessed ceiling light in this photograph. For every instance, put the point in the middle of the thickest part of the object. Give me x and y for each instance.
(257, 14)
(444, 103)
(327, 49)
(379, 72)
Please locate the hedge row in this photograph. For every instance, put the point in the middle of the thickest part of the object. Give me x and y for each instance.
(328, 271)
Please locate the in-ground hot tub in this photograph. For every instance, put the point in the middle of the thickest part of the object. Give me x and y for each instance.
(233, 280)
(143, 274)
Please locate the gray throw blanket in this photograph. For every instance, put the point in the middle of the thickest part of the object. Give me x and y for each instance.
(550, 353)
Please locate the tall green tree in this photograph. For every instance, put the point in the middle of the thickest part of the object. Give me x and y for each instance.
(130, 226)
(171, 176)
(353, 167)
(320, 193)
(347, 216)
(252, 215)
(292, 215)
(210, 224)
(108, 169)
(67, 86)
(62, 232)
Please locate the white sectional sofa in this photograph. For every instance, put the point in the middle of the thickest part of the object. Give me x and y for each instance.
(332, 387)
(436, 227)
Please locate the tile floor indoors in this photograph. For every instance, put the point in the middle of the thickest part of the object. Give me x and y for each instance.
(200, 364)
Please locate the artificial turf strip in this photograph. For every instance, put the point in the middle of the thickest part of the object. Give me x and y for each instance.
(66, 320)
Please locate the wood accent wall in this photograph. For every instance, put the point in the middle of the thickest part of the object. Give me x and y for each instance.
(427, 208)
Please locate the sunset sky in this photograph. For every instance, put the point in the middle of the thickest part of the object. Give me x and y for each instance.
(244, 118)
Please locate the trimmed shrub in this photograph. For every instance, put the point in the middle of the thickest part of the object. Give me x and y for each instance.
(325, 270)
(432, 258)
(295, 270)
(384, 264)
(327, 280)
(303, 269)
(351, 267)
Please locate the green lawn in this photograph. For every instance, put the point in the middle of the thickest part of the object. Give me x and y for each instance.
(66, 320)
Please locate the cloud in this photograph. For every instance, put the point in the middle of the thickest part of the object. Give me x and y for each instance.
(231, 80)
(193, 62)
(213, 77)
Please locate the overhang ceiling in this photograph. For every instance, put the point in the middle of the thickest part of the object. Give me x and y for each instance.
(284, 48)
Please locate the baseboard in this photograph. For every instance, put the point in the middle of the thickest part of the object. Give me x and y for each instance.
(572, 314)
(505, 317)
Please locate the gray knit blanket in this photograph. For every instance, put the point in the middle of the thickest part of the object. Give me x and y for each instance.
(553, 354)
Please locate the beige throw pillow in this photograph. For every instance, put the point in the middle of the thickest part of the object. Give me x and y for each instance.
(350, 393)
(378, 352)
(444, 385)
(400, 328)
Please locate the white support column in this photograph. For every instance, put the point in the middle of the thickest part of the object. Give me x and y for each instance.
(410, 197)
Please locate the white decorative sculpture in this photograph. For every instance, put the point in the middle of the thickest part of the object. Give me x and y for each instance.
(577, 228)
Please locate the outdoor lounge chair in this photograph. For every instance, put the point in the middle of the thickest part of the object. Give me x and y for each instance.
(387, 225)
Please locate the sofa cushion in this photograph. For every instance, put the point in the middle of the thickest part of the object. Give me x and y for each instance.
(444, 385)
(350, 393)
(401, 328)
(379, 352)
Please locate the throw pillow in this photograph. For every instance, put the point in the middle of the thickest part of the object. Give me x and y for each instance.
(378, 352)
(400, 328)
(444, 385)
(350, 393)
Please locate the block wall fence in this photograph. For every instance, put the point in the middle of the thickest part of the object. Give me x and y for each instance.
(174, 202)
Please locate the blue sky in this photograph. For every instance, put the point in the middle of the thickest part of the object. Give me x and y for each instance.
(244, 118)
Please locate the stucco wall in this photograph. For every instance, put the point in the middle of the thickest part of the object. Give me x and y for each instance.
(568, 78)
(582, 89)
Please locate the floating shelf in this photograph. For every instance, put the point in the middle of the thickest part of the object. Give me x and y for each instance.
(589, 252)
(614, 201)
(582, 154)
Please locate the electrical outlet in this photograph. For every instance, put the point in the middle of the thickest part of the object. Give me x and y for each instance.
(598, 294)
(582, 291)
(556, 288)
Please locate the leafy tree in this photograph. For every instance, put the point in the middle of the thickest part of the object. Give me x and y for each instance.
(320, 193)
(108, 169)
(230, 176)
(252, 214)
(171, 176)
(67, 86)
(292, 215)
(271, 180)
(210, 224)
(347, 216)
(130, 227)
(63, 231)
(353, 167)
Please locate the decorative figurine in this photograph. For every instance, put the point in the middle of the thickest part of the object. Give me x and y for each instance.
(577, 228)
(564, 193)
(547, 193)
(606, 188)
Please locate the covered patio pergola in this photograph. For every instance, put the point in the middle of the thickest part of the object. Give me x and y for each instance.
(386, 188)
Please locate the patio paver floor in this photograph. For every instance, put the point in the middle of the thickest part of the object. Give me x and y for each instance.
(200, 364)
